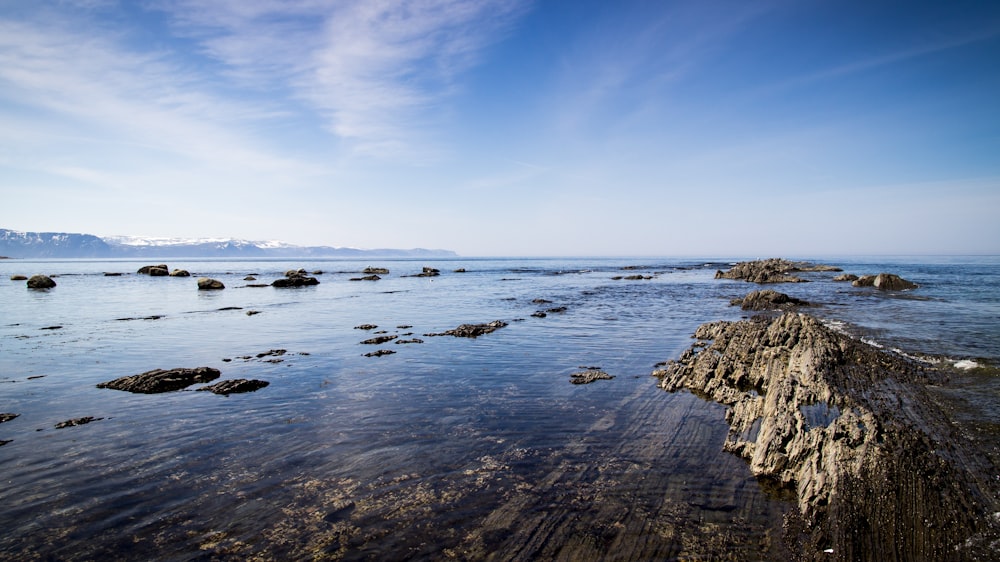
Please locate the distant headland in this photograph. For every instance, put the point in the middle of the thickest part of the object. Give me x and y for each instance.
(16, 244)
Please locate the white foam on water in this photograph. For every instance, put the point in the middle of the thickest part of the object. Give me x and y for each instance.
(966, 364)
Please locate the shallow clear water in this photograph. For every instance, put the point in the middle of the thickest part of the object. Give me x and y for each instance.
(454, 447)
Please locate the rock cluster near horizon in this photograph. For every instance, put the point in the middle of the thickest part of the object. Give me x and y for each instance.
(773, 270)
(877, 470)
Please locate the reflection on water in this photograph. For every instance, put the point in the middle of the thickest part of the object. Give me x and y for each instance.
(451, 448)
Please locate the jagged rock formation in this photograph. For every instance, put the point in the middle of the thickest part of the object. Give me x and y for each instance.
(472, 330)
(162, 380)
(235, 386)
(768, 300)
(587, 377)
(878, 471)
(773, 270)
(846, 277)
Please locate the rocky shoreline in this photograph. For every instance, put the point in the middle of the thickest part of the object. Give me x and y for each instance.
(855, 433)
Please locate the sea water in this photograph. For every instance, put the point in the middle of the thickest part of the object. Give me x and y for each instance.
(453, 447)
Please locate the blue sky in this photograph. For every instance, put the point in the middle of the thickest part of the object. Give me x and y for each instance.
(518, 128)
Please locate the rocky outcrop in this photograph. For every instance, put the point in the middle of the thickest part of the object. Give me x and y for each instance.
(162, 380)
(878, 472)
(426, 272)
(41, 282)
(379, 340)
(768, 299)
(366, 278)
(7, 417)
(18, 278)
(180, 273)
(77, 421)
(375, 271)
(846, 277)
(208, 284)
(472, 330)
(773, 270)
(885, 282)
(235, 386)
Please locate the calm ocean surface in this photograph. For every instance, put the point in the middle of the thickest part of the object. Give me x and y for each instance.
(451, 448)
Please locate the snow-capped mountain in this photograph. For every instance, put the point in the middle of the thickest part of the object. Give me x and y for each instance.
(16, 244)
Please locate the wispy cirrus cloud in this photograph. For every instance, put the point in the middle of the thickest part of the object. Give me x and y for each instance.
(378, 72)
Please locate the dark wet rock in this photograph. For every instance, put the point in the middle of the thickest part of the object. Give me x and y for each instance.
(339, 511)
(317, 272)
(77, 421)
(296, 273)
(379, 340)
(51, 328)
(846, 277)
(412, 340)
(380, 353)
(375, 271)
(5, 441)
(403, 327)
(272, 353)
(249, 278)
(587, 377)
(252, 312)
(235, 386)
(297, 281)
(208, 284)
(148, 270)
(472, 330)
(112, 274)
(7, 417)
(773, 270)
(885, 282)
(365, 278)
(225, 308)
(18, 278)
(541, 301)
(539, 314)
(257, 285)
(180, 273)
(556, 310)
(162, 380)
(35, 377)
(365, 327)
(41, 282)
(768, 299)
(130, 318)
(426, 272)
(632, 277)
(459, 270)
(874, 463)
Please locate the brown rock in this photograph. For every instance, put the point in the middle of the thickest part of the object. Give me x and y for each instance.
(207, 284)
(587, 377)
(235, 386)
(472, 330)
(768, 300)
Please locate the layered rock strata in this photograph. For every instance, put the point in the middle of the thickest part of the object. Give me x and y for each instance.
(878, 472)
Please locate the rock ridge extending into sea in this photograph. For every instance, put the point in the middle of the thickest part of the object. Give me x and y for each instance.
(877, 469)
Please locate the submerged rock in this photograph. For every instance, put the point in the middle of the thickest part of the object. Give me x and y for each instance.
(768, 299)
(18, 278)
(365, 278)
(41, 282)
(162, 380)
(7, 417)
(378, 340)
(235, 386)
(472, 330)
(874, 463)
(207, 284)
(380, 353)
(375, 271)
(77, 421)
(846, 277)
(587, 377)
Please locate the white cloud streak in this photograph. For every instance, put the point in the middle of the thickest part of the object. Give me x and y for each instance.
(378, 71)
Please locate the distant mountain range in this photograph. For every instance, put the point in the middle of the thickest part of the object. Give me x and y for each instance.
(16, 244)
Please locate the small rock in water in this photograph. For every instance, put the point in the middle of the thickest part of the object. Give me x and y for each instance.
(472, 330)
(180, 273)
(366, 327)
(380, 353)
(77, 421)
(379, 340)
(18, 278)
(162, 380)
(235, 386)
(41, 282)
(207, 284)
(148, 270)
(7, 417)
(587, 377)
